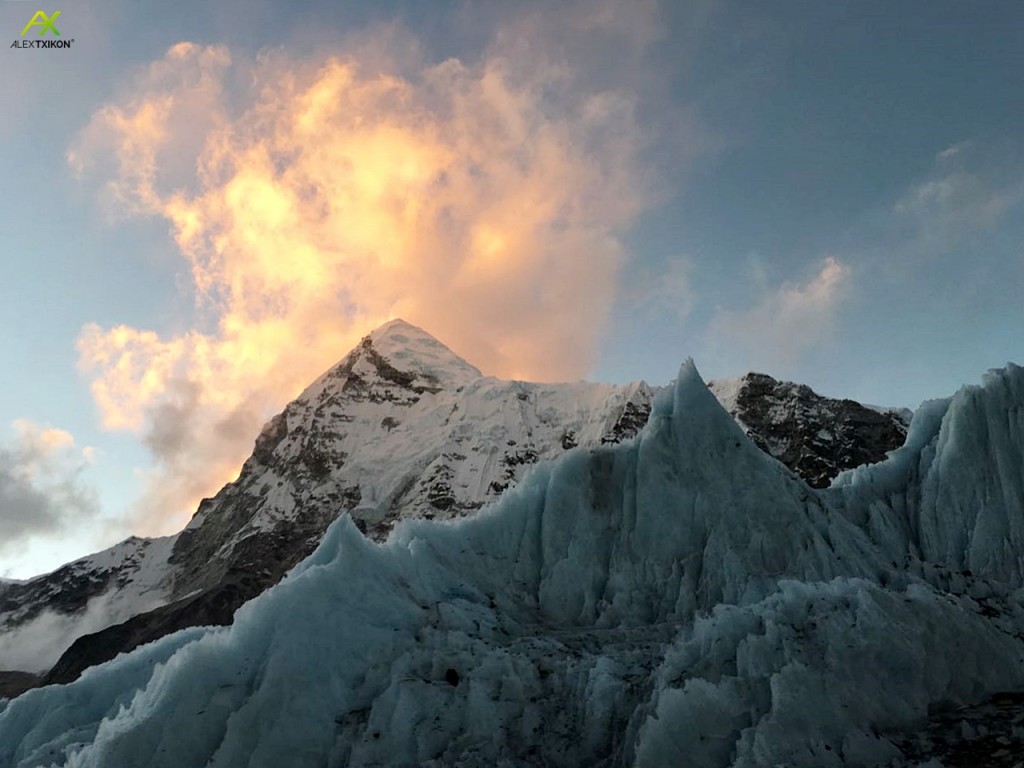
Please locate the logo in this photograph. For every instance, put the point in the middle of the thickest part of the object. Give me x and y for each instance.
(46, 23)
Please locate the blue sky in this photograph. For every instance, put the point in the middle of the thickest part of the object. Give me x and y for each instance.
(829, 193)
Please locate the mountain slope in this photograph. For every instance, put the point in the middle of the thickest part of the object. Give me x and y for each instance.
(400, 428)
(40, 617)
(679, 597)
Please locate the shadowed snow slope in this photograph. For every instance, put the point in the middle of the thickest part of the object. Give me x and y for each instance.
(678, 599)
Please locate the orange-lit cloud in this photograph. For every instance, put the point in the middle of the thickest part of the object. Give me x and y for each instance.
(483, 201)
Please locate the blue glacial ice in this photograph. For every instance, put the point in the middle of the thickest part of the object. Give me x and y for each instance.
(681, 599)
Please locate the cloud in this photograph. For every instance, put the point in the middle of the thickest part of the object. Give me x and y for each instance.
(953, 150)
(37, 645)
(660, 291)
(41, 489)
(953, 204)
(154, 136)
(483, 200)
(969, 190)
(787, 322)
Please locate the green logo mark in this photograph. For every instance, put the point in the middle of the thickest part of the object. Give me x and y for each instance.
(44, 21)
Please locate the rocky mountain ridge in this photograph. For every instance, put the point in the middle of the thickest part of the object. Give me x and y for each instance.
(817, 437)
(400, 428)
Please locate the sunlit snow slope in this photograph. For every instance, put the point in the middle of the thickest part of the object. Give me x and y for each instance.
(680, 599)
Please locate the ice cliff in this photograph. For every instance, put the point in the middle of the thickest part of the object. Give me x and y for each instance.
(677, 599)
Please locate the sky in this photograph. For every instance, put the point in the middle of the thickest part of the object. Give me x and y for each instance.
(204, 206)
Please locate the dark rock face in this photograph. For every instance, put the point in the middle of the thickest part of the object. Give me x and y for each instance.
(16, 683)
(633, 418)
(66, 590)
(988, 734)
(214, 607)
(816, 437)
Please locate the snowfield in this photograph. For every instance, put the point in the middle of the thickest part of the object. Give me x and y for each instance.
(679, 599)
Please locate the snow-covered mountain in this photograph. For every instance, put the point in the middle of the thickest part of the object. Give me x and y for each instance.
(401, 428)
(680, 598)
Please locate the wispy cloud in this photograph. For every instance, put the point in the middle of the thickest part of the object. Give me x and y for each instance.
(660, 291)
(787, 321)
(966, 192)
(36, 645)
(953, 150)
(481, 199)
(41, 487)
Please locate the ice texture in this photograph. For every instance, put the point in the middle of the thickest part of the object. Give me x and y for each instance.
(953, 496)
(678, 599)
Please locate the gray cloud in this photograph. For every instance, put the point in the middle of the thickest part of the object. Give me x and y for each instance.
(41, 488)
(172, 420)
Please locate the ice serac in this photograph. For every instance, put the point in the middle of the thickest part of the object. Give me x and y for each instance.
(953, 496)
(677, 599)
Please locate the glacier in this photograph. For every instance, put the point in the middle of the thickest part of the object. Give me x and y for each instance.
(680, 598)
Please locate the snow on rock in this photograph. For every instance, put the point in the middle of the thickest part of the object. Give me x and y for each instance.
(40, 617)
(817, 437)
(676, 599)
(400, 428)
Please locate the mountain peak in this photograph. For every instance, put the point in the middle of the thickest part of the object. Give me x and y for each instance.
(411, 349)
(398, 328)
(396, 354)
(693, 407)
